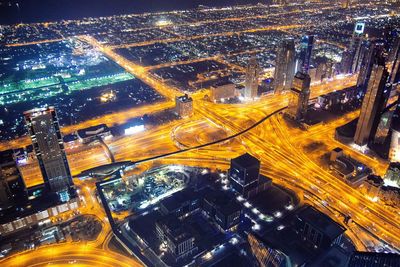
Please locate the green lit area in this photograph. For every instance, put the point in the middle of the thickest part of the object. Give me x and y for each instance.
(36, 72)
(99, 81)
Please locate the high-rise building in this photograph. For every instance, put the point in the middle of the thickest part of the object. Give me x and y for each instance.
(372, 105)
(184, 106)
(12, 186)
(351, 56)
(393, 62)
(47, 141)
(251, 83)
(394, 151)
(266, 255)
(244, 173)
(370, 54)
(284, 66)
(306, 45)
(383, 127)
(299, 96)
(392, 175)
(372, 259)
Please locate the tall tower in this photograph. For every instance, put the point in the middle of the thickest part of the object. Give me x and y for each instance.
(306, 45)
(12, 187)
(284, 66)
(44, 130)
(370, 53)
(351, 55)
(394, 151)
(299, 96)
(393, 62)
(252, 73)
(372, 105)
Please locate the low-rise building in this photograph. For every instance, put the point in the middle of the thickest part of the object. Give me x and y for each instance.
(176, 236)
(349, 169)
(317, 228)
(223, 209)
(184, 106)
(223, 91)
(92, 133)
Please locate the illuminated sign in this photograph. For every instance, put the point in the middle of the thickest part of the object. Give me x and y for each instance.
(134, 129)
(359, 29)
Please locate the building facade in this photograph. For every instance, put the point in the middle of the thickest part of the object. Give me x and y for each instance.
(251, 82)
(184, 106)
(284, 66)
(299, 96)
(47, 141)
(12, 186)
(372, 106)
(244, 173)
(306, 45)
(222, 91)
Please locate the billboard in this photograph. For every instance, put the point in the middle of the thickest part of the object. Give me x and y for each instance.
(359, 29)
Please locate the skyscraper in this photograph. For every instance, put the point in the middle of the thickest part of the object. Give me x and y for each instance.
(44, 130)
(394, 151)
(351, 56)
(299, 96)
(306, 45)
(372, 105)
(370, 54)
(284, 66)
(393, 62)
(12, 186)
(251, 83)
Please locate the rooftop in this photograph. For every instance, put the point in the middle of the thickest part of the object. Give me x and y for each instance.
(93, 130)
(321, 222)
(246, 160)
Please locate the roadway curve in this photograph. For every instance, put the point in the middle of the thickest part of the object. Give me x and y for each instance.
(68, 254)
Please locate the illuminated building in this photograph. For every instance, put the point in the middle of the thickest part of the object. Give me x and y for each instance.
(370, 54)
(177, 237)
(372, 105)
(244, 173)
(394, 151)
(392, 175)
(251, 83)
(371, 186)
(317, 228)
(351, 56)
(12, 187)
(299, 96)
(44, 130)
(382, 131)
(92, 133)
(306, 45)
(184, 106)
(372, 259)
(346, 3)
(222, 91)
(394, 61)
(223, 209)
(266, 255)
(284, 66)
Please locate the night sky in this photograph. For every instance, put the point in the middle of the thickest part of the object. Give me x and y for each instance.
(51, 10)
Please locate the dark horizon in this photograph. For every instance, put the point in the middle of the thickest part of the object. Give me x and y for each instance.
(31, 11)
